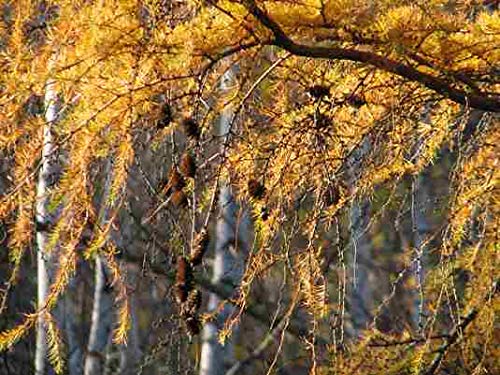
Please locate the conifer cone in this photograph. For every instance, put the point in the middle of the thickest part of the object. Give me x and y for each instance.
(179, 199)
(191, 128)
(166, 117)
(175, 179)
(318, 91)
(264, 213)
(322, 121)
(183, 279)
(180, 293)
(332, 195)
(200, 247)
(356, 101)
(194, 300)
(193, 325)
(187, 165)
(256, 189)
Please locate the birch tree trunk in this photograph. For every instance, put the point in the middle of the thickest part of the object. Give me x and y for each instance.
(421, 230)
(360, 296)
(232, 238)
(44, 221)
(100, 328)
(102, 310)
(69, 311)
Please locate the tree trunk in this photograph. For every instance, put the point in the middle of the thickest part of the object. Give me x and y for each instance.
(100, 328)
(421, 230)
(44, 221)
(69, 311)
(102, 310)
(360, 295)
(232, 238)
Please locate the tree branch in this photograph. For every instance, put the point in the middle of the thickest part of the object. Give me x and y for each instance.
(456, 334)
(441, 86)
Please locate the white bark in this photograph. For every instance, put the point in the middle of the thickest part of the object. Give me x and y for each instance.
(361, 294)
(102, 310)
(232, 238)
(421, 231)
(69, 311)
(44, 220)
(100, 329)
(420, 228)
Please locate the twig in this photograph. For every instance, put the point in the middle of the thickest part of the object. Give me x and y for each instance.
(257, 352)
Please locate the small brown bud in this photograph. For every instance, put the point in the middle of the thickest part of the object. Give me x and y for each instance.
(187, 165)
(200, 247)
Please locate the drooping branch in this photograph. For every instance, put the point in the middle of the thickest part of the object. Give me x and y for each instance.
(439, 85)
(455, 334)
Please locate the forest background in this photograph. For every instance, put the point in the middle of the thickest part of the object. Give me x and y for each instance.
(275, 187)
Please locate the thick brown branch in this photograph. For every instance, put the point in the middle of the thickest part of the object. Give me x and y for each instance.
(441, 86)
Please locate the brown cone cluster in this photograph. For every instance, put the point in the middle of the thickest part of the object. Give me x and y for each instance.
(188, 297)
(176, 180)
(200, 247)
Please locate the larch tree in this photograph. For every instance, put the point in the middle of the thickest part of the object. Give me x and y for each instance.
(332, 77)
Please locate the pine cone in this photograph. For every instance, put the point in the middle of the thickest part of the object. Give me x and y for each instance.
(179, 199)
(187, 165)
(166, 117)
(356, 101)
(191, 128)
(200, 247)
(318, 91)
(175, 179)
(256, 189)
(332, 195)
(192, 304)
(193, 325)
(183, 279)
